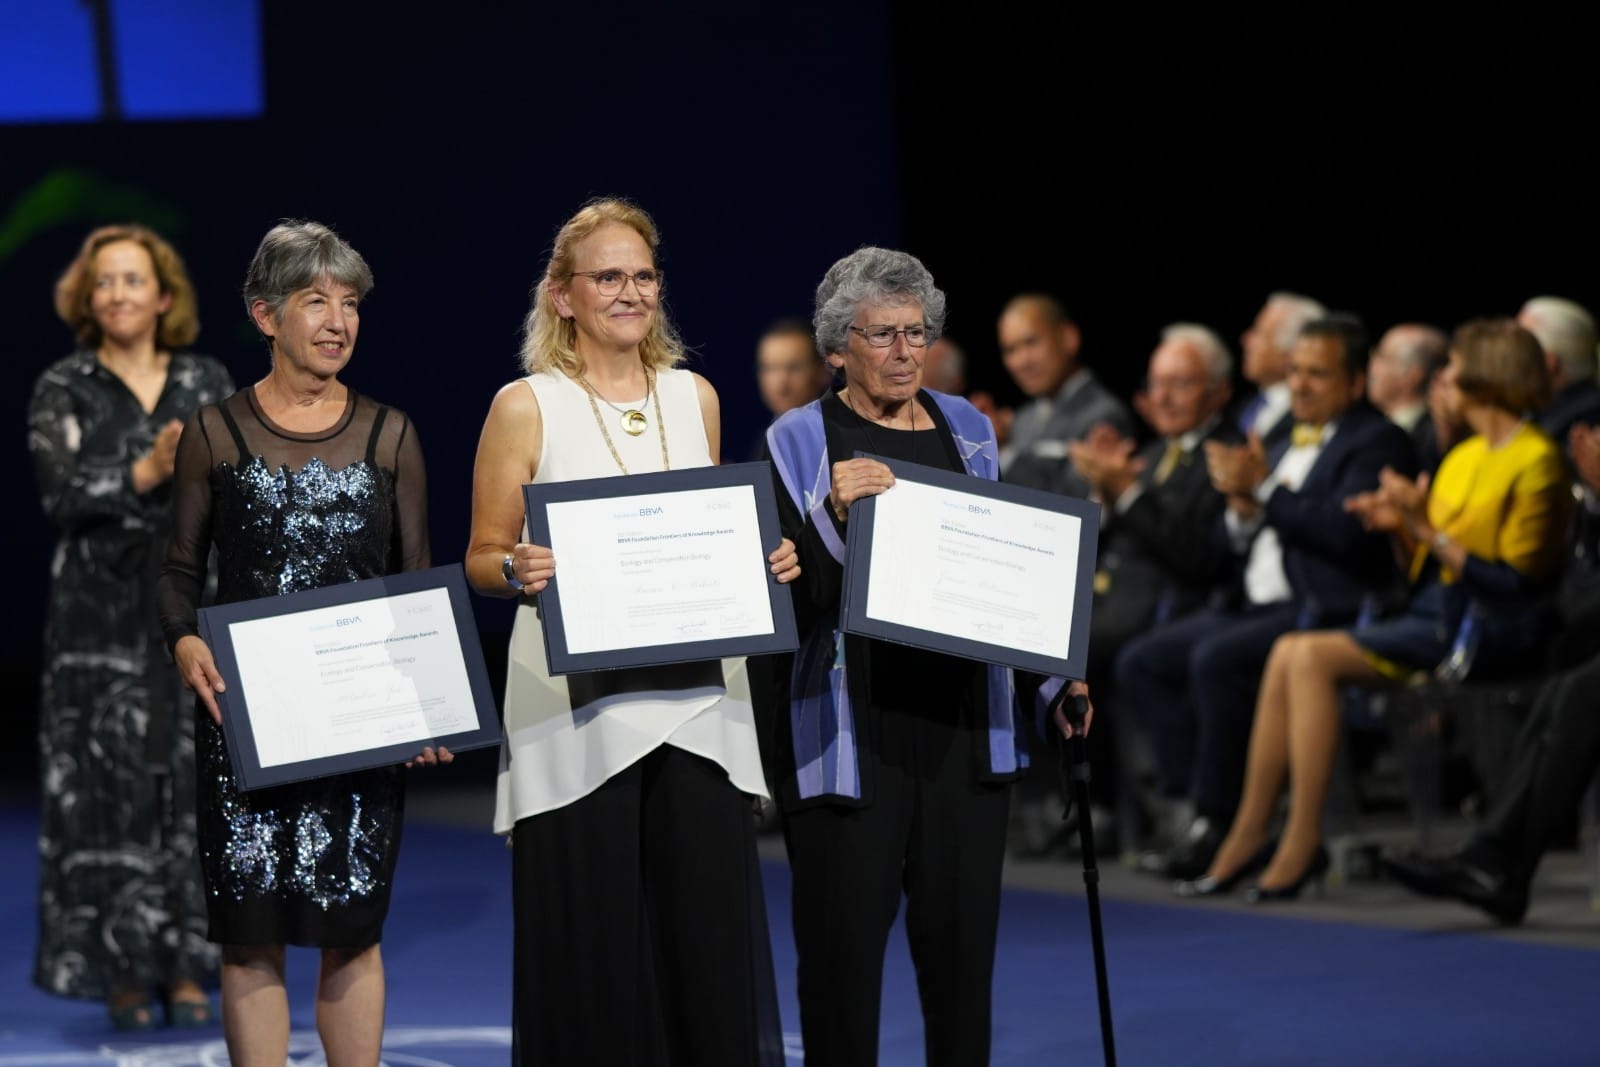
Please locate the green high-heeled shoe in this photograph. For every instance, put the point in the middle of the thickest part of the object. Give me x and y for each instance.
(188, 1013)
(131, 1014)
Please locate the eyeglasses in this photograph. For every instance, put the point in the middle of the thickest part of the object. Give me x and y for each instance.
(610, 282)
(1174, 385)
(883, 336)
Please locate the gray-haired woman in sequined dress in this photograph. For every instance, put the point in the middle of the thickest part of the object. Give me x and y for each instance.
(299, 483)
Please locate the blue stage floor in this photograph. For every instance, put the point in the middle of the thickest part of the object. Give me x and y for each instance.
(1190, 984)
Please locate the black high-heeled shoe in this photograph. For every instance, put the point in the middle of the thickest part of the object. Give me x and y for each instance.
(1207, 886)
(1315, 871)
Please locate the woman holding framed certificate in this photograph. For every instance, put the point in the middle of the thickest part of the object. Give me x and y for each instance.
(299, 483)
(895, 761)
(641, 932)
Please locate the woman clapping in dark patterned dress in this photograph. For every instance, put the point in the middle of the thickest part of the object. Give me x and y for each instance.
(120, 909)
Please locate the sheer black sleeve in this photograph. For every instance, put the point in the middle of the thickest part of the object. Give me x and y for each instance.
(183, 578)
(411, 550)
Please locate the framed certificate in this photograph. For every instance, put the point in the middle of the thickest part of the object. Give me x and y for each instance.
(351, 676)
(973, 568)
(667, 567)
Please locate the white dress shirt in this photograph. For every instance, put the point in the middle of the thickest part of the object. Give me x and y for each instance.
(1265, 581)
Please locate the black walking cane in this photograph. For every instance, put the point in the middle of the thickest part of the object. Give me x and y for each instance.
(1076, 709)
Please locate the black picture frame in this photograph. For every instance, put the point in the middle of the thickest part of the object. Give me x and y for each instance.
(537, 497)
(216, 624)
(858, 551)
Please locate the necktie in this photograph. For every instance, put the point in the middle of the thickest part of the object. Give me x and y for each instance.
(1305, 434)
(1247, 417)
(1169, 461)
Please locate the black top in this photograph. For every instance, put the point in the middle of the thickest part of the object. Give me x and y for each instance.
(899, 677)
(303, 516)
(311, 862)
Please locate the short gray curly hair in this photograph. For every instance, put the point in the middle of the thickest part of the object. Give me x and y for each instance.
(873, 276)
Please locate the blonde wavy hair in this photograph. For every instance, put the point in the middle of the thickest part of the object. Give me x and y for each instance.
(549, 342)
(177, 327)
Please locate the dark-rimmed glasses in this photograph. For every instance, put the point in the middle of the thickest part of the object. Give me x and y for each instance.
(610, 282)
(883, 336)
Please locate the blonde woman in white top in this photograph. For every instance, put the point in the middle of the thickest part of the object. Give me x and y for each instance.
(641, 933)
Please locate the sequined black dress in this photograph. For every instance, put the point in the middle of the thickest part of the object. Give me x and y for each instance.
(119, 883)
(309, 863)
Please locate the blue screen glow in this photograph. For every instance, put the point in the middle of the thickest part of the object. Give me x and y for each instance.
(170, 59)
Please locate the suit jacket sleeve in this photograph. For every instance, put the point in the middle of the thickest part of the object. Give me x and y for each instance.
(1165, 523)
(1314, 518)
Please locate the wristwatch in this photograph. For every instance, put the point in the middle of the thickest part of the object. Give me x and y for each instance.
(510, 573)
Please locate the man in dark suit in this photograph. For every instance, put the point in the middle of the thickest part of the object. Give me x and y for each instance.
(1151, 565)
(789, 372)
(1399, 375)
(1300, 561)
(1566, 332)
(1264, 405)
(1039, 345)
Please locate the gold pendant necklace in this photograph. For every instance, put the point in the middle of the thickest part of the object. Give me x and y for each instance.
(630, 418)
(633, 420)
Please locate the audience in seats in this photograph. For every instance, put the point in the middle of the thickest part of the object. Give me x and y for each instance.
(1299, 560)
(790, 372)
(1266, 346)
(1566, 332)
(1553, 763)
(1039, 345)
(944, 367)
(1150, 564)
(1489, 531)
(1555, 758)
(1402, 368)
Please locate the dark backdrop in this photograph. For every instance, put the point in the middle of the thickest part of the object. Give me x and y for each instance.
(448, 149)
(1150, 167)
(1143, 172)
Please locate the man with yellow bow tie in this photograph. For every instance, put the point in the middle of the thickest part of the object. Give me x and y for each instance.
(1300, 562)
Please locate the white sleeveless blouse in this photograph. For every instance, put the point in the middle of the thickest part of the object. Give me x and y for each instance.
(565, 736)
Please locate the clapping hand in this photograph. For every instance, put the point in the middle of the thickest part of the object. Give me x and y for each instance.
(156, 466)
(1584, 444)
(1409, 498)
(1375, 511)
(1236, 471)
(1398, 505)
(1104, 458)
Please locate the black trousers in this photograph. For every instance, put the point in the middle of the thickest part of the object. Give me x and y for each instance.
(933, 833)
(640, 927)
(1555, 758)
(1191, 686)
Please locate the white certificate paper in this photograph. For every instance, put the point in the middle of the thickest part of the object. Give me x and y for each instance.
(974, 567)
(660, 568)
(358, 676)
